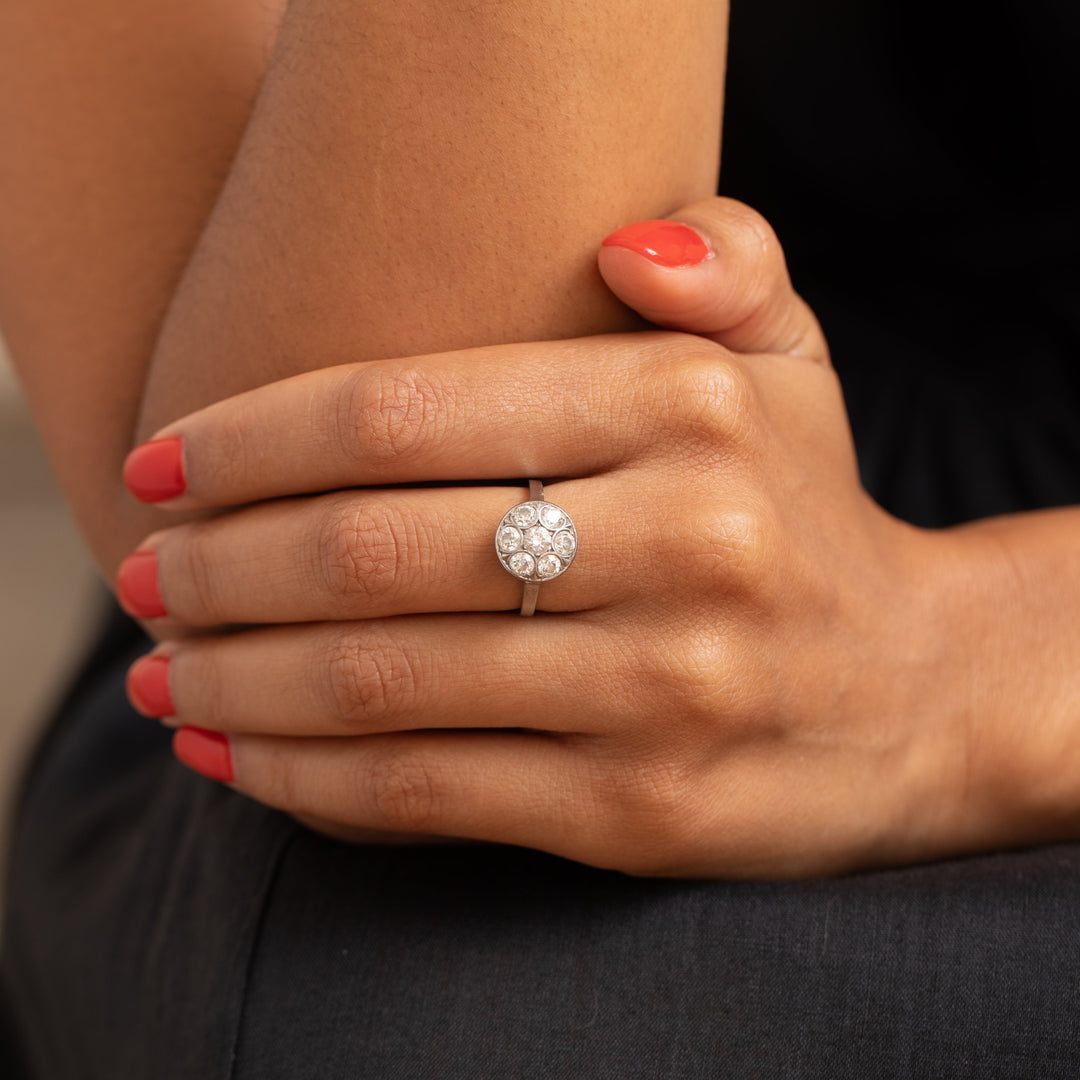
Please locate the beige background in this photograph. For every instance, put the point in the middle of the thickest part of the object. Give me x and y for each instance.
(46, 586)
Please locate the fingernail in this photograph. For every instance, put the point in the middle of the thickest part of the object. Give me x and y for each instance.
(206, 752)
(137, 586)
(154, 471)
(666, 243)
(148, 686)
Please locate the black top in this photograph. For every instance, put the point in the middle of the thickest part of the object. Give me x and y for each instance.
(915, 161)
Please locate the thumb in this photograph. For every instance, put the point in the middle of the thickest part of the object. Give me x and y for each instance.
(717, 270)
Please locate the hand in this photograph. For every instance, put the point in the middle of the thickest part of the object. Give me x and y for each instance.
(730, 680)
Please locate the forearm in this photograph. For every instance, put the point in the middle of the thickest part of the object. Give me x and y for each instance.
(420, 176)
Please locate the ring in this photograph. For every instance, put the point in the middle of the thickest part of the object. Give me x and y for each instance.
(536, 541)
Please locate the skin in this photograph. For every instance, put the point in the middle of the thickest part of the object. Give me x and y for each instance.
(119, 121)
(779, 679)
(210, 196)
(951, 657)
(402, 158)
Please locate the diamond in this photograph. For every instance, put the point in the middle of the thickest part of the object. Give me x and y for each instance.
(524, 515)
(552, 517)
(548, 566)
(521, 564)
(564, 544)
(509, 539)
(537, 540)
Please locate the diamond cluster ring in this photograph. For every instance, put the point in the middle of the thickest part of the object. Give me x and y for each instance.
(536, 541)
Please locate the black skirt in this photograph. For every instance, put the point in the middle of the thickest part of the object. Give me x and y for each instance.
(159, 925)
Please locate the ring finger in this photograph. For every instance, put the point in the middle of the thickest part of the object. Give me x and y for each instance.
(356, 555)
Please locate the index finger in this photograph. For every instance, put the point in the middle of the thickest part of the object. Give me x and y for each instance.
(554, 409)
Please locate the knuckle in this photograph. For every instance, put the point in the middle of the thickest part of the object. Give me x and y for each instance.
(690, 679)
(393, 414)
(370, 679)
(715, 674)
(750, 232)
(715, 548)
(711, 397)
(280, 783)
(365, 548)
(201, 581)
(229, 452)
(404, 793)
(197, 673)
(728, 543)
(655, 810)
(711, 682)
(758, 255)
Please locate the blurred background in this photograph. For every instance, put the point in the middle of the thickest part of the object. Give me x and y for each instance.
(46, 589)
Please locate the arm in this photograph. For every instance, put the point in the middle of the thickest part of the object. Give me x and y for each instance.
(119, 121)
(398, 156)
(403, 155)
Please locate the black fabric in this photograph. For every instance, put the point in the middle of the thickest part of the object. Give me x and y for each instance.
(914, 161)
(136, 891)
(495, 963)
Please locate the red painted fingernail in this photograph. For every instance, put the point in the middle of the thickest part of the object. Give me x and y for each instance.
(666, 243)
(206, 752)
(154, 471)
(148, 686)
(137, 586)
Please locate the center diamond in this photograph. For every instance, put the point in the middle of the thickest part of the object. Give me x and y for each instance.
(537, 540)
